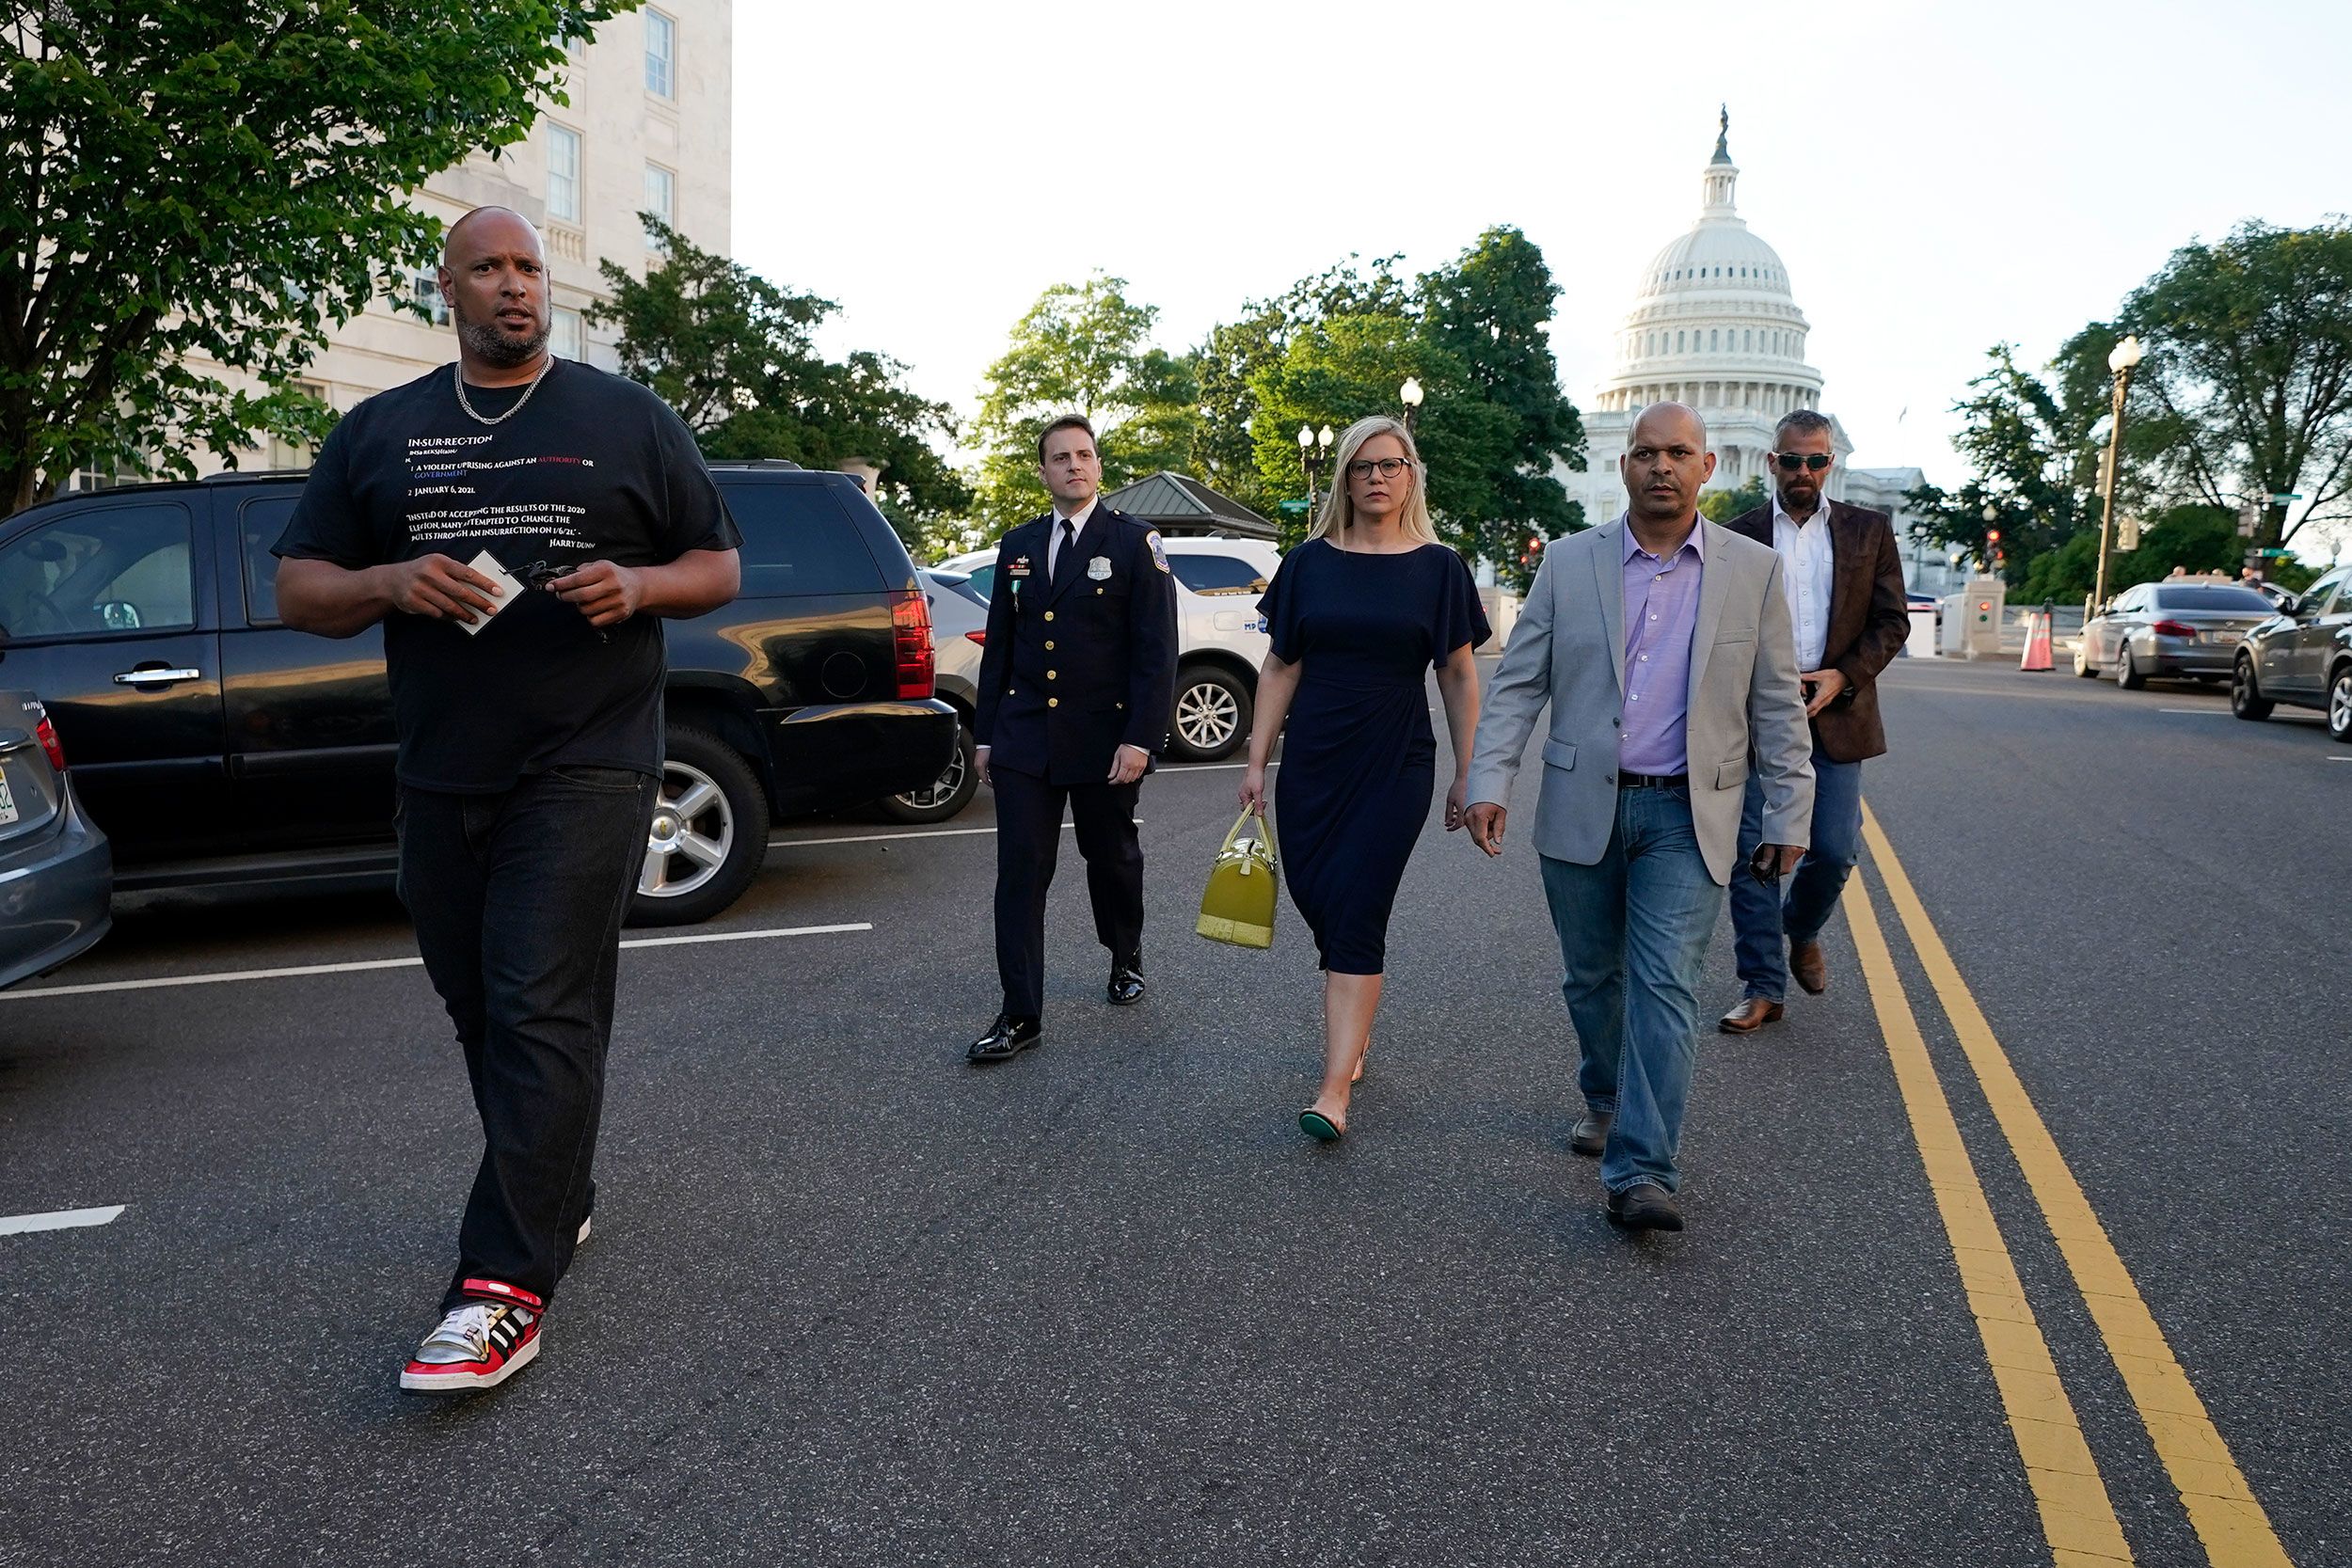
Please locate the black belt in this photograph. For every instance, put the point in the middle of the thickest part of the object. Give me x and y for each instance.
(1652, 781)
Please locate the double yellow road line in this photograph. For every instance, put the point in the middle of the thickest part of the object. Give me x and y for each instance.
(2077, 1516)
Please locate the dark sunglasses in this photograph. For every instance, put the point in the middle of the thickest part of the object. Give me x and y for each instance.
(1790, 462)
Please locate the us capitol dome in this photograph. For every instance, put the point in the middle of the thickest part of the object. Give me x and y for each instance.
(1716, 326)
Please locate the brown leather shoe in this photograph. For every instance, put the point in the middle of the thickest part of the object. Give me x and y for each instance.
(1807, 963)
(1752, 1014)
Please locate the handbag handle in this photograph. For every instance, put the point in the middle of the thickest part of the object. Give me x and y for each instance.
(1274, 848)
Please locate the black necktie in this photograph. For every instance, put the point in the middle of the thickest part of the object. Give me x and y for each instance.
(1067, 556)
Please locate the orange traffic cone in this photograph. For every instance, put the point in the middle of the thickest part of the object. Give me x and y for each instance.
(2036, 643)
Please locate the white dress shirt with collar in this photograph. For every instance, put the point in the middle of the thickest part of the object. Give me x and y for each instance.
(1804, 549)
(1077, 525)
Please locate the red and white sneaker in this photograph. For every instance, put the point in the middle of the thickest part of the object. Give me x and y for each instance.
(478, 1345)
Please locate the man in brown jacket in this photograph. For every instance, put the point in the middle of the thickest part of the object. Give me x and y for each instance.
(1844, 587)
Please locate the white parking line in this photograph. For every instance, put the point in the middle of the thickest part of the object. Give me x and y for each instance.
(63, 1219)
(164, 982)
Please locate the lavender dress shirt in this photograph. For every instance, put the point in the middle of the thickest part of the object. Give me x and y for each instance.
(1662, 615)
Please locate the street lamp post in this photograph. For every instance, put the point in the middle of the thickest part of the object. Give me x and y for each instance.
(1314, 450)
(1409, 395)
(2122, 362)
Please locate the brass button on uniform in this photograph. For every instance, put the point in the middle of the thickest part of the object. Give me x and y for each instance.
(1049, 614)
(1053, 701)
(1049, 644)
(1053, 674)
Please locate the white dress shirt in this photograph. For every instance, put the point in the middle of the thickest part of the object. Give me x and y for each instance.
(1810, 566)
(1077, 525)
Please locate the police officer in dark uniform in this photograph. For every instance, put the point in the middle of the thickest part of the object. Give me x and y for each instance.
(1077, 679)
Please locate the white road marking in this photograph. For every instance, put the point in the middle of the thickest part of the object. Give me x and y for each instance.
(165, 982)
(2200, 712)
(2339, 759)
(63, 1219)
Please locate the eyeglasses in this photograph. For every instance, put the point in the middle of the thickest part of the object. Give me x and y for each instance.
(1790, 462)
(1390, 468)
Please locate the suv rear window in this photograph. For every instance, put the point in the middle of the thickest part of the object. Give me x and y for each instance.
(2221, 596)
(259, 524)
(797, 539)
(1214, 574)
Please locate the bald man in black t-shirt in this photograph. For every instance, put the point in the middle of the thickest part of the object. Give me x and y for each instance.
(517, 523)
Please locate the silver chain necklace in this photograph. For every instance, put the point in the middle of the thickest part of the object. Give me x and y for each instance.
(457, 372)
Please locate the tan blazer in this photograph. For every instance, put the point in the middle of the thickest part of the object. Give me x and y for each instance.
(1568, 653)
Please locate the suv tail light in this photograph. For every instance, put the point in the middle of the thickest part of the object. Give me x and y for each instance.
(980, 636)
(48, 733)
(911, 629)
(2174, 628)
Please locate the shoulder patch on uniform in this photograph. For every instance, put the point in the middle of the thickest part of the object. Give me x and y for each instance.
(1159, 551)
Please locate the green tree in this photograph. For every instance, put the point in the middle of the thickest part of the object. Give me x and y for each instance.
(1721, 506)
(1082, 348)
(2036, 465)
(2248, 372)
(735, 355)
(1488, 312)
(215, 180)
(1224, 448)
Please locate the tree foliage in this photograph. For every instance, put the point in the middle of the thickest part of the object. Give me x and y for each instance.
(1082, 348)
(1493, 423)
(217, 180)
(735, 355)
(2248, 371)
(1721, 506)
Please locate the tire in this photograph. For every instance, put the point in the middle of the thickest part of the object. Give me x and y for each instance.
(698, 864)
(944, 796)
(2083, 666)
(1213, 714)
(2245, 698)
(2128, 673)
(2340, 704)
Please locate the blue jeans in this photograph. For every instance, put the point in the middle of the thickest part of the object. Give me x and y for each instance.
(1765, 919)
(1633, 932)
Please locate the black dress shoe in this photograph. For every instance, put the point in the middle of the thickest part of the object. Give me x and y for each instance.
(1126, 986)
(1645, 1206)
(1590, 1134)
(1006, 1038)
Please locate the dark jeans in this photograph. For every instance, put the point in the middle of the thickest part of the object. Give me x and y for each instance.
(1765, 919)
(1028, 842)
(517, 900)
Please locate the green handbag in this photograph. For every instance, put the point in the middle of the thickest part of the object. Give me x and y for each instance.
(1238, 906)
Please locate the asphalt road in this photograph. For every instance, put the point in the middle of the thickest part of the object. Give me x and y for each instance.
(851, 1302)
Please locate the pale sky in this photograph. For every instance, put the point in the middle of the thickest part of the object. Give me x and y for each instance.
(1937, 176)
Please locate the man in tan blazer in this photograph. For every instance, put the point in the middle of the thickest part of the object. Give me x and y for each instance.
(1661, 645)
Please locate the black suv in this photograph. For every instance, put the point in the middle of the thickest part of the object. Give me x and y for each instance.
(217, 747)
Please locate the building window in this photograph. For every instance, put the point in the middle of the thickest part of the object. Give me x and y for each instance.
(1677, 343)
(564, 335)
(1710, 340)
(426, 290)
(660, 199)
(660, 55)
(563, 173)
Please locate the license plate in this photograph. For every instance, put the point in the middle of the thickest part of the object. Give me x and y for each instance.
(7, 802)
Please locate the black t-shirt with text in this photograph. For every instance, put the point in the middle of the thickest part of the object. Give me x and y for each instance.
(594, 469)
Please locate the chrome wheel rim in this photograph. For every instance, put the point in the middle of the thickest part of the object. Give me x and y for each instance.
(1206, 716)
(2340, 704)
(692, 829)
(942, 789)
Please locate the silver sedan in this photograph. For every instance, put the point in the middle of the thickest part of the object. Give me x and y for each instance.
(2177, 628)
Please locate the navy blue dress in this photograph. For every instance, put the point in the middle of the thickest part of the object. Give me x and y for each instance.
(1359, 757)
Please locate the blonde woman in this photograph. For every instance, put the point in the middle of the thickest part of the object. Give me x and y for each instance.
(1357, 616)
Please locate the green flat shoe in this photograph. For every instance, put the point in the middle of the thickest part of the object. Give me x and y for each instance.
(1320, 1127)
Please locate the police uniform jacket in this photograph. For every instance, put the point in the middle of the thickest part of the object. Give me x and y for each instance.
(1068, 676)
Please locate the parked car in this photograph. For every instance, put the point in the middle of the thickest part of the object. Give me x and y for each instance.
(958, 628)
(57, 871)
(2302, 656)
(2179, 628)
(1220, 637)
(218, 747)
